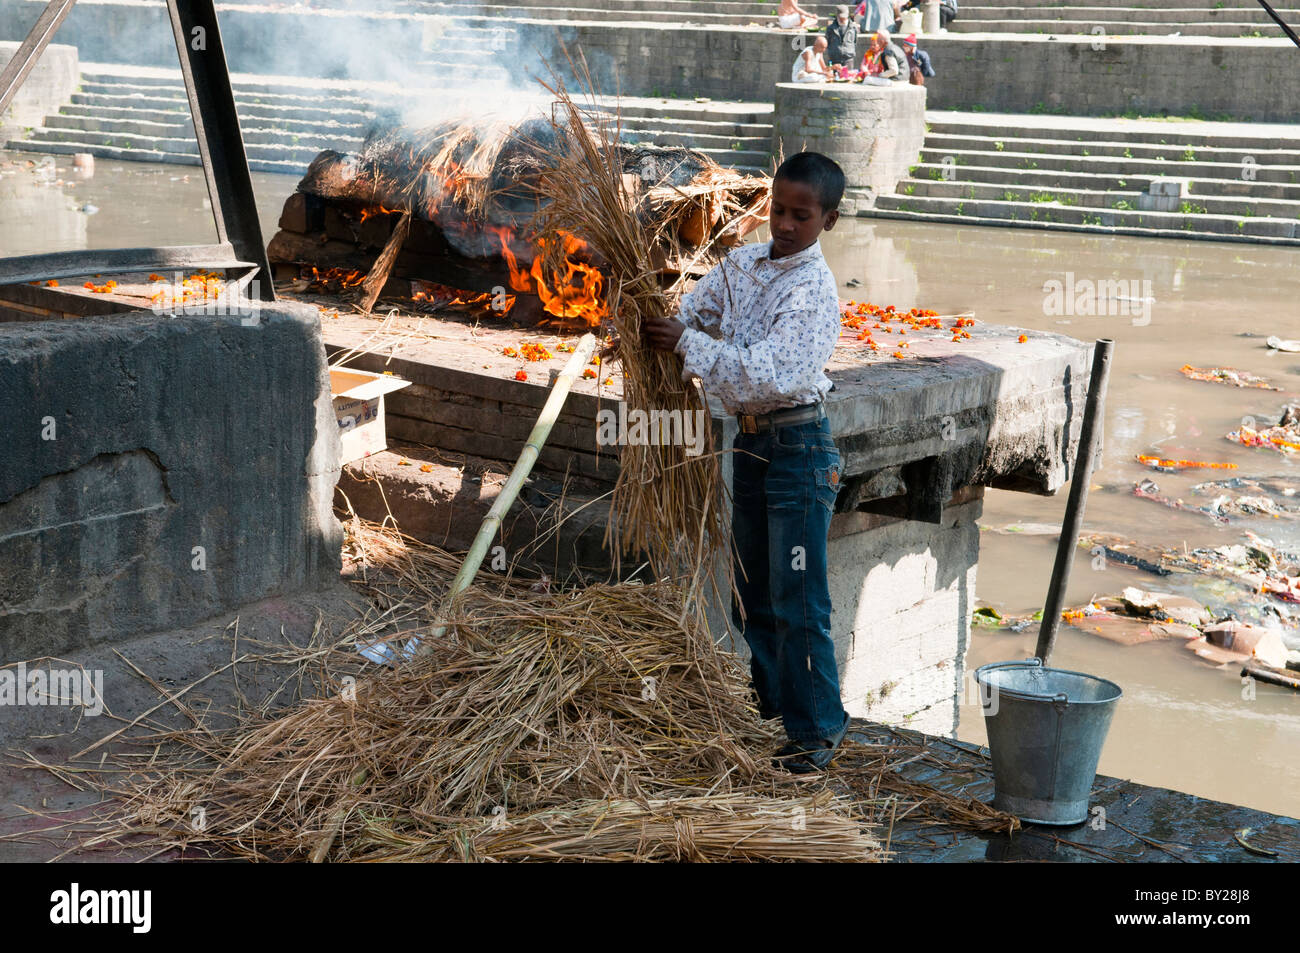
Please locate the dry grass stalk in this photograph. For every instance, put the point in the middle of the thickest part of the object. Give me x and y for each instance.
(667, 503)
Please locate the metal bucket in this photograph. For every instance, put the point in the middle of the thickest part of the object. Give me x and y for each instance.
(1046, 727)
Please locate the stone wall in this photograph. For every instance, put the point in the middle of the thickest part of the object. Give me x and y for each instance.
(158, 471)
(875, 133)
(1256, 80)
(48, 86)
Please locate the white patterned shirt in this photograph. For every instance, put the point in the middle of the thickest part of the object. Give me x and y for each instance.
(776, 322)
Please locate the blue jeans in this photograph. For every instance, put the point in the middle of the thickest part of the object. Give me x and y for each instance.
(784, 485)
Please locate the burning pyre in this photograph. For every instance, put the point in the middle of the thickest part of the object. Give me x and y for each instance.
(471, 191)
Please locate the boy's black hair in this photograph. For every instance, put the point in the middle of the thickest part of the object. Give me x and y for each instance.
(821, 173)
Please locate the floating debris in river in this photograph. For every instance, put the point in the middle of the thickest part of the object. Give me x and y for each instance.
(1171, 466)
(1284, 437)
(1227, 375)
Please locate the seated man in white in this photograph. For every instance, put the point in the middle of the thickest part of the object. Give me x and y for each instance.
(810, 66)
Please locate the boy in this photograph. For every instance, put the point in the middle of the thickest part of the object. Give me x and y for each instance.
(776, 312)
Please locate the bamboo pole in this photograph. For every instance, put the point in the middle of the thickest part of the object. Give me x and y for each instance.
(491, 524)
(487, 531)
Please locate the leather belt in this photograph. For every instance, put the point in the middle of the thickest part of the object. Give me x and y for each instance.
(757, 423)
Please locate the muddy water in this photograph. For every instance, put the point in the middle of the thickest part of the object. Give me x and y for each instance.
(1182, 724)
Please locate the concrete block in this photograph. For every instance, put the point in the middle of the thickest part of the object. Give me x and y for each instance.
(48, 86)
(1148, 202)
(160, 470)
(1169, 186)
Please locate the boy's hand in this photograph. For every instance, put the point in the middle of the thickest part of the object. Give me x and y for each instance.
(609, 352)
(662, 333)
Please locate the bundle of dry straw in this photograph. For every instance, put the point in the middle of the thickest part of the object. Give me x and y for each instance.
(667, 503)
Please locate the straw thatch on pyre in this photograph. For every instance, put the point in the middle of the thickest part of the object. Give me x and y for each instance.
(465, 195)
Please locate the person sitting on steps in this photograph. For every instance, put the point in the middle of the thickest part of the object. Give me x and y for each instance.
(791, 16)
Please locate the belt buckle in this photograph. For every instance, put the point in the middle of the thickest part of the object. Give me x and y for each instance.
(748, 424)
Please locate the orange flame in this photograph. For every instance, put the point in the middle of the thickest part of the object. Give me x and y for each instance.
(577, 293)
(377, 210)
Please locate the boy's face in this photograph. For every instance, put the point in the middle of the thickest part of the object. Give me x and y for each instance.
(797, 217)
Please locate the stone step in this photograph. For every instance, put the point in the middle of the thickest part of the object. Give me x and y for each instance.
(88, 115)
(730, 7)
(263, 111)
(1118, 28)
(146, 146)
(1043, 179)
(1135, 166)
(1052, 6)
(255, 163)
(1030, 212)
(651, 124)
(253, 97)
(688, 110)
(1127, 150)
(157, 137)
(704, 143)
(1090, 14)
(669, 11)
(1169, 134)
(93, 79)
(1250, 207)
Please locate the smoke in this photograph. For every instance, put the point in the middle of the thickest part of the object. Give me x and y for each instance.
(419, 68)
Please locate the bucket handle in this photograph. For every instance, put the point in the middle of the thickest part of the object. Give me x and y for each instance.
(1060, 701)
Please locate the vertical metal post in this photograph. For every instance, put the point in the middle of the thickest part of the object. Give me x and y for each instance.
(30, 50)
(1089, 444)
(216, 124)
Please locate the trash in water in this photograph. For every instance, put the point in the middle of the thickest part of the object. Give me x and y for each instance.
(1172, 466)
(1149, 490)
(1227, 375)
(1283, 437)
(1277, 344)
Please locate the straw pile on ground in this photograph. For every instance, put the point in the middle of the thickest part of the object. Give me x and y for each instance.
(587, 724)
(584, 724)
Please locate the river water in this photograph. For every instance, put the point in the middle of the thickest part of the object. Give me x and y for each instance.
(1182, 723)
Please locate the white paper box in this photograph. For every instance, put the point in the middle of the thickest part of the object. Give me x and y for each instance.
(359, 409)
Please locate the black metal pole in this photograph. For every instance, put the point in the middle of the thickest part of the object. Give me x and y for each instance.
(1280, 22)
(1084, 462)
(31, 48)
(216, 125)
